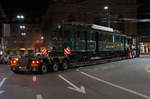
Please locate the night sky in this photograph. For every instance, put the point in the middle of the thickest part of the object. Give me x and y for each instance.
(144, 9)
(39, 7)
(27, 7)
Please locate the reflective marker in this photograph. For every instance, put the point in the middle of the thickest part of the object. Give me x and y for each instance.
(147, 69)
(2, 82)
(39, 96)
(34, 79)
(2, 91)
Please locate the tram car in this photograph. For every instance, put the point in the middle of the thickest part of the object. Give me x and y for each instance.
(87, 42)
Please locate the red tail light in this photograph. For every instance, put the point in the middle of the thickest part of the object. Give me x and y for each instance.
(14, 62)
(35, 63)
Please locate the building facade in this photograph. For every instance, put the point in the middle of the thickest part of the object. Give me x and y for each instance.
(3, 19)
(20, 40)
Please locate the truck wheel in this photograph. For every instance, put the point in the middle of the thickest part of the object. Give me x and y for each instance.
(16, 72)
(65, 65)
(44, 69)
(55, 67)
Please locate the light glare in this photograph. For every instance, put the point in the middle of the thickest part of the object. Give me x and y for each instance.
(23, 34)
(106, 7)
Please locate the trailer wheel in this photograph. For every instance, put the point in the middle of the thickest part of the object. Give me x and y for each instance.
(65, 65)
(55, 67)
(44, 69)
(16, 72)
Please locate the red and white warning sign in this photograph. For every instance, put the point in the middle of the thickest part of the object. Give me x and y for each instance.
(67, 51)
(44, 52)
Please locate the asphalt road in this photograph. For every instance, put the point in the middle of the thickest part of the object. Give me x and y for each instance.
(126, 79)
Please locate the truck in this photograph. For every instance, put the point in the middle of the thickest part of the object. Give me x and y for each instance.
(89, 44)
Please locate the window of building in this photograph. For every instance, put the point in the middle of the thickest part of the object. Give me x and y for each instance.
(96, 20)
(71, 18)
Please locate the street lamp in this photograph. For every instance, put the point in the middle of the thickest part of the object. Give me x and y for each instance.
(106, 7)
(22, 27)
(20, 17)
(108, 14)
(42, 37)
(23, 34)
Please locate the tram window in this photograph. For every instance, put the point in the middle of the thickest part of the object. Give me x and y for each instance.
(67, 35)
(113, 38)
(110, 39)
(104, 37)
(101, 37)
(117, 38)
(60, 35)
(78, 35)
(92, 36)
(122, 39)
(54, 36)
(84, 35)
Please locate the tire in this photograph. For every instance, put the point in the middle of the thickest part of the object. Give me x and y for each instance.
(16, 72)
(44, 69)
(55, 67)
(65, 65)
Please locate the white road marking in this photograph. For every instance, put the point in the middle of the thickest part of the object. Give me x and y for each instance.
(147, 69)
(74, 87)
(2, 91)
(39, 96)
(1, 84)
(117, 86)
(34, 79)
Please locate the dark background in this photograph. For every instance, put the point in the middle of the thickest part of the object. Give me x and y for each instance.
(38, 7)
(144, 9)
(26, 7)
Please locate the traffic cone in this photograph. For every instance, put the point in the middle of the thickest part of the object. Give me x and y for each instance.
(130, 55)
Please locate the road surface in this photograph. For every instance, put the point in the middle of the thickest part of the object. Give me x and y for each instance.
(126, 79)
